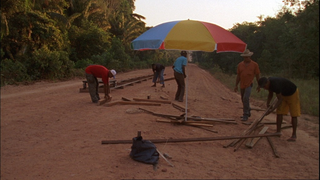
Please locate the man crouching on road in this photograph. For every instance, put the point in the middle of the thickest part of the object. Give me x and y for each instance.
(97, 71)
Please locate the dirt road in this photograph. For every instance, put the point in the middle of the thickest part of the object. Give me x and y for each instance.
(51, 131)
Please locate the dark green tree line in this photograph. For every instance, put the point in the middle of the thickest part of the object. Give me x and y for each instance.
(50, 39)
(53, 39)
(286, 45)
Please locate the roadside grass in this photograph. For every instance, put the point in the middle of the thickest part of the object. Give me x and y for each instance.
(308, 90)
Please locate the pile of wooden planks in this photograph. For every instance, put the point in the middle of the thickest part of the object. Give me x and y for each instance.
(175, 119)
(114, 84)
(255, 125)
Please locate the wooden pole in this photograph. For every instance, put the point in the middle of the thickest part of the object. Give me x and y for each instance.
(190, 118)
(151, 100)
(165, 158)
(191, 139)
(273, 148)
(250, 129)
(133, 103)
(254, 124)
(253, 141)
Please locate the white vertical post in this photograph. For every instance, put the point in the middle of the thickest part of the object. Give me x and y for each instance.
(186, 108)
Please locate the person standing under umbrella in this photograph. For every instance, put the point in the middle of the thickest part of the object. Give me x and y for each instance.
(97, 71)
(180, 74)
(246, 71)
(158, 70)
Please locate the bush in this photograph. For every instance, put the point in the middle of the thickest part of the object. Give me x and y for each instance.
(46, 64)
(83, 63)
(12, 72)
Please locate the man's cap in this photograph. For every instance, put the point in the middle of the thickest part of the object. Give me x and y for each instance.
(113, 72)
(246, 53)
(262, 82)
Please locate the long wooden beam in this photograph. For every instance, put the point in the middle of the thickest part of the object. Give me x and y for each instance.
(253, 141)
(132, 103)
(179, 107)
(190, 117)
(192, 123)
(249, 129)
(254, 125)
(152, 100)
(273, 148)
(102, 101)
(191, 139)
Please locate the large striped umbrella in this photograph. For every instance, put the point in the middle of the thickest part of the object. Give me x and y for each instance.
(189, 35)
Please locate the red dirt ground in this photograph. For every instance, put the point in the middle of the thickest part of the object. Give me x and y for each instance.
(51, 131)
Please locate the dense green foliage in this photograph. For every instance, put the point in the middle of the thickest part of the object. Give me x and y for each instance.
(287, 45)
(44, 39)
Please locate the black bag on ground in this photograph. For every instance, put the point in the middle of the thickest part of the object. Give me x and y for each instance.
(144, 151)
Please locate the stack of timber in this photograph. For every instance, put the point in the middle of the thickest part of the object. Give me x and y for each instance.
(114, 84)
(191, 120)
(253, 127)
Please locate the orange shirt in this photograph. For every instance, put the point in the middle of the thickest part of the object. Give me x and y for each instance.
(247, 72)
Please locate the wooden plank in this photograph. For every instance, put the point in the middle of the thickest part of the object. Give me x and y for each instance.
(212, 120)
(257, 109)
(206, 129)
(117, 85)
(185, 123)
(133, 103)
(112, 103)
(180, 107)
(254, 124)
(168, 79)
(273, 148)
(152, 100)
(250, 129)
(165, 158)
(102, 101)
(253, 141)
(263, 122)
(125, 99)
(164, 97)
(130, 83)
(191, 139)
(189, 118)
(196, 124)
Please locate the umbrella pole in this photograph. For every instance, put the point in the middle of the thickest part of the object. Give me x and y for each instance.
(186, 107)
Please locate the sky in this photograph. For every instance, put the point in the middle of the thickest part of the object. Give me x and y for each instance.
(224, 13)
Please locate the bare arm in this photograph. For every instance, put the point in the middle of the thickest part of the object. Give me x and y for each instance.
(279, 100)
(257, 79)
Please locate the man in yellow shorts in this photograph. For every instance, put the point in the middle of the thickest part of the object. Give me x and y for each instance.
(288, 100)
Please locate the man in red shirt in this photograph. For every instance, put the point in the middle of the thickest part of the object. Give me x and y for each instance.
(97, 71)
(246, 71)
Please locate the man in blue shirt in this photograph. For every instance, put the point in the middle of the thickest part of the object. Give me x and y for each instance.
(180, 74)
